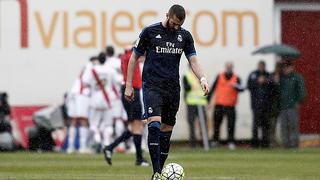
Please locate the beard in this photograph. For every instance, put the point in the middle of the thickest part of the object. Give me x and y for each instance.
(169, 28)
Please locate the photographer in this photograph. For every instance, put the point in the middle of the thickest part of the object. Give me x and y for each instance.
(6, 139)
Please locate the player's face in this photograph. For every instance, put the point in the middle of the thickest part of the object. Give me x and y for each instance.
(173, 23)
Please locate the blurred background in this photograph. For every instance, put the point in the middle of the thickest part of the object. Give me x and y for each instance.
(45, 44)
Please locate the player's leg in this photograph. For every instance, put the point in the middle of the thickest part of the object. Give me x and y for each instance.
(137, 128)
(169, 111)
(134, 110)
(153, 108)
(123, 137)
(126, 134)
(94, 121)
(119, 125)
(71, 136)
(71, 105)
(165, 136)
(107, 129)
(82, 109)
(154, 142)
(84, 135)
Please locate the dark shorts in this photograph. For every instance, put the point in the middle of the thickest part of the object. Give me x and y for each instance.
(134, 108)
(164, 103)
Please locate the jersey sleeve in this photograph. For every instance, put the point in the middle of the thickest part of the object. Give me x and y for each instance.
(189, 49)
(87, 76)
(142, 42)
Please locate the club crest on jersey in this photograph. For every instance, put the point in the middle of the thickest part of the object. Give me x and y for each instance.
(150, 110)
(179, 38)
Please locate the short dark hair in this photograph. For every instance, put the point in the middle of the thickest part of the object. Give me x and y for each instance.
(102, 58)
(178, 11)
(109, 50)
(262, 62)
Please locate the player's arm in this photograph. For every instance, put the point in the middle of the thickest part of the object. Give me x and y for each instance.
(191, 55)
(131, 66)
(139, 49)
(197, 70)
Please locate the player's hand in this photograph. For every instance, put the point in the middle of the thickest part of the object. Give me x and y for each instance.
(204, 85)
(128, 94)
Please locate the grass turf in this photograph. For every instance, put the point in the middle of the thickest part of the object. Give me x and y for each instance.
(242, 164)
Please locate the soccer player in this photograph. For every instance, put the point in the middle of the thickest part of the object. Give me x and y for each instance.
(163, 44)
(118, 111)
(100, 79)
(78, 109)
(134, 112)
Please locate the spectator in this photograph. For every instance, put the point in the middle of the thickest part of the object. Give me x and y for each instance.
(259, 85)
(275, 105)
(119, 113)
(6, 138)
(292, 93)
(194, 97)
(226, 88)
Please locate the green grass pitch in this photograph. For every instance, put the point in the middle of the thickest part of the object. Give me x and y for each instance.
(221, 164)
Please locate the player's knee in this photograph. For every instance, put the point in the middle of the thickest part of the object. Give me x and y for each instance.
(137, 127)
(165, 127)
(154, 119)
(154, 124)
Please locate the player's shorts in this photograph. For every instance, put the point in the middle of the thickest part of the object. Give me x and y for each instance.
(133, 108)
(78, 106)
(99, 118)
(161, 102)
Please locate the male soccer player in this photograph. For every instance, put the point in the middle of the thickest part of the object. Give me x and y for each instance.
(134, 113)
(163, 44)
(100, 78)
(78, 109)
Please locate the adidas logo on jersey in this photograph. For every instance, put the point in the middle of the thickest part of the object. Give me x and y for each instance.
(158, 36)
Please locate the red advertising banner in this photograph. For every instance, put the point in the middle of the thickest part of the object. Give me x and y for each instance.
(22, 117)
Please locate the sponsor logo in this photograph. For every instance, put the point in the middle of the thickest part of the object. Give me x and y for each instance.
(169, 49)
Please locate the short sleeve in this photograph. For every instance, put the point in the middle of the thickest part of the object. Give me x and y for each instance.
(189, 49)
(87, 76)
(142, 42)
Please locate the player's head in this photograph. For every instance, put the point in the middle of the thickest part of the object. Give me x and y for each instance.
(94, 60)
(175, 17)
(109, 51)
(102, 58)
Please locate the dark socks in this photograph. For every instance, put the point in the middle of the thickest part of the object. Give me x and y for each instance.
(164, 146)
(137, 143)
(124, 136)
(154, 145)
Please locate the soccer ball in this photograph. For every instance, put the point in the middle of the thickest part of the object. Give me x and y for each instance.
(172, 171)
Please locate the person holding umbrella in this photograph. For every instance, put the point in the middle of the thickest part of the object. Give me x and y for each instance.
(292, 94)
(291, 90)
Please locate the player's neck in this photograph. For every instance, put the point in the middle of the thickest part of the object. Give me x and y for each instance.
(164, 23)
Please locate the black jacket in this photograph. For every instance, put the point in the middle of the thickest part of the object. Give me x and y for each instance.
(260, 93)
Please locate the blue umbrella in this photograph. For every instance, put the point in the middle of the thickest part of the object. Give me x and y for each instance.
(282, 50)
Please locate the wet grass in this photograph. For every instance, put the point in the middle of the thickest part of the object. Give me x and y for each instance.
(242, 164)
